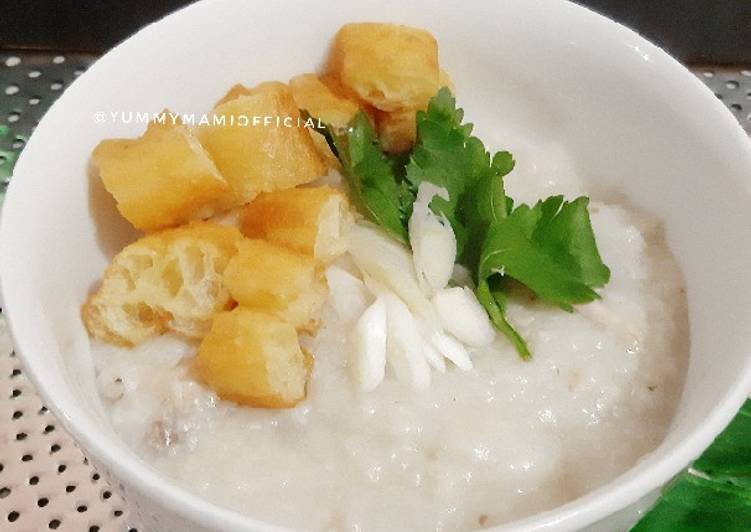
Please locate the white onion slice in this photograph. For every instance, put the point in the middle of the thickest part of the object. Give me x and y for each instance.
(348, 294)
(452, 349)
(368, 360)
(389, 263)
(462, 315)
(404, 346)
(434, 358)
(432, 240)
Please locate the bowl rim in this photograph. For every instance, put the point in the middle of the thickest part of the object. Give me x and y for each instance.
(576, 514)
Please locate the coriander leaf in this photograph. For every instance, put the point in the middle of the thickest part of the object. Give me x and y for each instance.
(550, 248)
(446, 155)
(695, 504)
(714, 495)
(567, 230)
(729, 457)
(494, 302)
(503, 163)
(376, 190)
(485, 203)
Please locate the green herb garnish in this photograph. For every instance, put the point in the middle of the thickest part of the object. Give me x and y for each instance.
(549, 248)
(371, 175)
(714, 495)
(447, 156)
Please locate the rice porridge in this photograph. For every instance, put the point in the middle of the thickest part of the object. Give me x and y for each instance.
(501, 441)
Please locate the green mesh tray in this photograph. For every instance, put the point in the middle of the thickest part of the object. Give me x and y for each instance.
(29, 82)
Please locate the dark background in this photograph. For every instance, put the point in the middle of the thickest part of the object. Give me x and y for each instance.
(695, 31)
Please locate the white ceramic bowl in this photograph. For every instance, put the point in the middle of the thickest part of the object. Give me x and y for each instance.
(635, 121)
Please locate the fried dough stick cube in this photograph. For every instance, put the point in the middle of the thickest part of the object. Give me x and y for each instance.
(389, 66)
(162, 179)
(254, 358)
(261, 145)
(313, 95)
(273, 279)
(324, 100)
(312, 220)
(167, 281)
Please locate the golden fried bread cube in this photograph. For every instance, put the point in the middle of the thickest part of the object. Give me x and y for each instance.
(397, 130)
(234, 92)
(162, 179)
(261, 146)
(253, 358)
(239, 89)
(311, 220)
(314, 96)
(271, 278)
(335, 86)
(167, 281)
(321, 102)
(311, 94)
(389, 66)
(324, 150)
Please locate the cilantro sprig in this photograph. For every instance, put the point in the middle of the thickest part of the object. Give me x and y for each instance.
(372, 176)
(448, 156)
(715, 494)
(550, 247)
